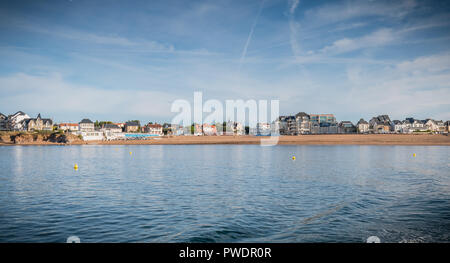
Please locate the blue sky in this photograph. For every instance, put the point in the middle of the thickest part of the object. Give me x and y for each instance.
(120, 60)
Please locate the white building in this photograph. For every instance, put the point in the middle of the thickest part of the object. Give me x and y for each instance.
(86, 125)
(71, 127)
(15, 121)
(154, 129)
(112, 132)
(263, 129)
(362, 126)
(92, 135)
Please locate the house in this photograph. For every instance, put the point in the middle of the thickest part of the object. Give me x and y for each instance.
(435, 126)
(303, 123)
(112, 132)
(323, 124)
(198, 130)
(132, 126)
(418, 124)
(153, 129)
(287, 125)
(291, 125)
(174, 129)
(37, 124)
(209, 129)
(86, 125)
(346, 127)
(281, 124)
(447, 127)
(3, 122)
(111, 128)
(263, 129)
(324, 128)
(398, 126)
(323, 118)
(71, 127)
(440, 127)
(380, 124)
(362, 126)
(92, 135)
(120, 124)
(14, 121)
(238, 128)
(406, 125)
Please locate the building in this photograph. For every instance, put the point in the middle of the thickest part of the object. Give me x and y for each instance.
(406, 125)
(238, 128)
(14, 122)
(111, 128)
(120, 124)
(323, 118)
(324, 128)
(3, 122)
(198, 130)
(110, 132)
(175, 129)
(362, 126)
(86, 125)
(380, 124)
(440, 127)
(447, 127)
(323, 124)
(71, 127)
(346, 127)
(37, 124)
(435, 126)
(263, 129)
(303, 123)
(209, 129)
(287, 125)
(92, 135)
(132, 126)
(153, 129)
(398, 126)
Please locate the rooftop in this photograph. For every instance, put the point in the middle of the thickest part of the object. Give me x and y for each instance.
(86, 121)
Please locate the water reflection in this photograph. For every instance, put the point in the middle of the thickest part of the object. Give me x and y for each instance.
(225, 193)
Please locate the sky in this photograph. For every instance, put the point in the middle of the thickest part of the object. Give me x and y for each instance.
(124, 60)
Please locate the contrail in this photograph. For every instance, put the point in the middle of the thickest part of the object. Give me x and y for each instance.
(293, 26)
(249, 38)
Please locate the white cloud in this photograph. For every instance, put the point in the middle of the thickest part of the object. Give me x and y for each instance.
(52, 94)
(420, 88)
(378, 38)
(346, 10)
(294, 5)
(434, 63)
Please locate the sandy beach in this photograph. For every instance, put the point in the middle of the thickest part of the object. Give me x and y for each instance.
(331, 139)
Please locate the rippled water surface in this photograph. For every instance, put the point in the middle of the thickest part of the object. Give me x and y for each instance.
(224, 193)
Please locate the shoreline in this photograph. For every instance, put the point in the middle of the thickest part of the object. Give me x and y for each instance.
(322, 139)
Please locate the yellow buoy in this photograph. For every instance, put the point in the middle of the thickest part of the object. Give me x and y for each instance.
(293, 157)
(414, 154)
(75, 167)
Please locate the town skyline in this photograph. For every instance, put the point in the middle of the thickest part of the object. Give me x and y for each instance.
(61, 59)
(94, 119)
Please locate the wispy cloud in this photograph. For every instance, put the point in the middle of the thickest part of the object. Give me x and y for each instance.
(52, 94)
(294, 28)
(378, 38)
(250, 34)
